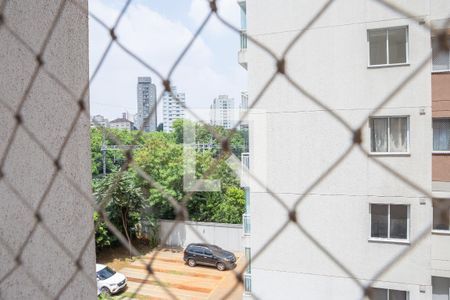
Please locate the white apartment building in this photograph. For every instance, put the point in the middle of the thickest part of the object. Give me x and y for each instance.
(222, 112)
(99, 121)
(146, 101)
(351, 59)
(122, 123)
(172, 108)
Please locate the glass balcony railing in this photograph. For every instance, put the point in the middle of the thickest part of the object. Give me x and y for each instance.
(246, 222)
(243, 39)
(247, 283)
(245, 165)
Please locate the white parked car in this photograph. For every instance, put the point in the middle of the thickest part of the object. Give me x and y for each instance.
(108, 280)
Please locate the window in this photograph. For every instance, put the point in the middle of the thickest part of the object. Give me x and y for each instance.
(441, 57)
(386, 294)
(196, 250)
(388, 46)
(441, 214)
(389, 134)
(105, 273)
(389, 221)
(441, 134)
(441, 287)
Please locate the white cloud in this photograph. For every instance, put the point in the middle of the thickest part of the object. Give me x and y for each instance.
(159, 41)
(227, 9)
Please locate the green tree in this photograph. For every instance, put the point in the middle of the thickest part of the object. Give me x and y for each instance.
(122, 199)
(231, 208)
(103, 237)
(162, 160)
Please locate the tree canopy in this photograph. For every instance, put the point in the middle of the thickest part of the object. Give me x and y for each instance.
(129, 198)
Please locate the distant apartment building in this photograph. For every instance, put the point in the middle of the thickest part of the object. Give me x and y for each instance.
(222, 112)
(99, 121)
(146, 103)
(122, 123)
(360, 216)
(173, 108)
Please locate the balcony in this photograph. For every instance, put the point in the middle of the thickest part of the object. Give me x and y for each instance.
(245, 169)
(242, 54)
(247, 284)
(246, 223)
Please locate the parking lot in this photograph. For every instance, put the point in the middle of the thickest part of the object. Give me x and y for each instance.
(174, 275)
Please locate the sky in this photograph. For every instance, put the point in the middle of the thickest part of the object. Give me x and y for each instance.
(157, 31)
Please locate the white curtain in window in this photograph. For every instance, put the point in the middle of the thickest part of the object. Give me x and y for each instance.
(379, 135)
(441, 134)
(398, 134)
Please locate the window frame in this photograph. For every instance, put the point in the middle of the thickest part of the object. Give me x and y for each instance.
(387, 64)
(408, 129)
(389, 239)
(432, 65)
(440, 231)
(387, 289)
(432, 125)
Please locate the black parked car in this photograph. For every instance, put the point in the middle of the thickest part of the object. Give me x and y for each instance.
(210, 255)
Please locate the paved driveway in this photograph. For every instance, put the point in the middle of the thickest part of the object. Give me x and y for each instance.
(181, 280)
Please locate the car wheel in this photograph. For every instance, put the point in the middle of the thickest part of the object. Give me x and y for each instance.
(220, 266)
(105, 290)
(191, 262)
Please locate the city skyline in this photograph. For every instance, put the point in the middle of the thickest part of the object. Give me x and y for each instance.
(212, 58)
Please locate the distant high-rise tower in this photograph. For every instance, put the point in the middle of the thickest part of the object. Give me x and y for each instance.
(146, 102)
(172, 108)
(222, 112)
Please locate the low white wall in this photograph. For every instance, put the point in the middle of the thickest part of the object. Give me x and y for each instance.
(227, 236)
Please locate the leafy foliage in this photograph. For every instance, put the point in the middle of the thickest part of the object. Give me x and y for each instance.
(132, 202)
(103, 237)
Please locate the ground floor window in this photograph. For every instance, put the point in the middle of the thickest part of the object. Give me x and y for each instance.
(388, 294)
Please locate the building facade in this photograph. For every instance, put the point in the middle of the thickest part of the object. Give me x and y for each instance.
(222, 112)
(351, 59)
(99, 121)
(440, 85)
(173, 108)
(146, 102)
(122, 123)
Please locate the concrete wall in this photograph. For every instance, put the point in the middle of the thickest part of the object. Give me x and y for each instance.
(302, 141)
(227, 236)
(48, 113)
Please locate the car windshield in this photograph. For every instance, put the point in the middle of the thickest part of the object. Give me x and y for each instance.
(105, 273)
